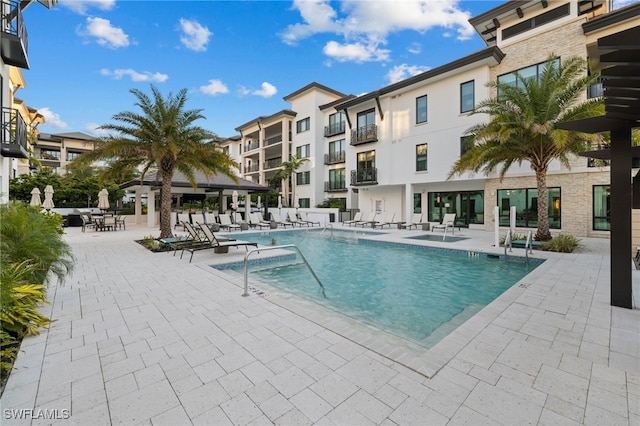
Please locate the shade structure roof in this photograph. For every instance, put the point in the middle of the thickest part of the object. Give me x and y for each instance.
(215, 183)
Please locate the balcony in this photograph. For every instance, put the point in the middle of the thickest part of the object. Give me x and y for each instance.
(14, 40)
(14, 134)
(251, 146)
(252, 168)
(334, 157)
(335, 187)
(364, 134)
(363, 177)
(334, 129)
(273, 140)
(273, 163)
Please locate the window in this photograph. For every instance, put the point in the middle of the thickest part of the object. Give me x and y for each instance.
(467, 96)
(526, 203)
(467, 205)
(72, 155)
(49, 154)
(303, 178)
(536, 21)
(337, 179)
(421, 157)
(515, 78)
(365, 168)
(366, 130)
(366, 118)
(421, 109)
(303, 151)
(336, 152)
(336, 124)
(303, 125)
(466, 143)
(304, 203)
(417, 203)
(601, 207)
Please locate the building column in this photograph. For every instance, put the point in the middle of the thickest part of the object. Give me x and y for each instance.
(138, 206)
(151, 209)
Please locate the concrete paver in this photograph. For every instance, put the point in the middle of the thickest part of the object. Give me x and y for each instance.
(149, 338)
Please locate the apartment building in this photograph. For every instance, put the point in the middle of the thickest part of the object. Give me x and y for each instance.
(17, 121)
(392, 149)
(55, 151)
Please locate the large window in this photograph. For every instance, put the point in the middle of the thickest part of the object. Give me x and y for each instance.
(421, 109)
(466, 143)
(467, 96)
(601, 207)
(50, 154)
(303, 125)
(303, 178)
(526, 204)
(73, 155)
(467, 205)
(337, 179)
(336, 124)
(303, 151)
(365, 168)
(516, 78)
(417, 202)
(421, 157)
(336, 152)
(304, 203)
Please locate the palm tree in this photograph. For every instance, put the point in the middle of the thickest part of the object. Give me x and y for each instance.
(162, 137)
(522, 126)
(288, 171)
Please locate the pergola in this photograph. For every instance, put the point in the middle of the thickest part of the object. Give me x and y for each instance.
(219, 185)
(619, 58)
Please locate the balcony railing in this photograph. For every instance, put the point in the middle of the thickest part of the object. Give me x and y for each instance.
(334, 186)
(364, 177)
(14, 134)
(334, 129)
(252, 168)
(364, 134)
(252, 146)
(15, 42)
(273, 140)
(334, 157)
(273, 163)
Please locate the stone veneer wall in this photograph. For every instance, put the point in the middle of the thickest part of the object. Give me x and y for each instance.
(576, 199)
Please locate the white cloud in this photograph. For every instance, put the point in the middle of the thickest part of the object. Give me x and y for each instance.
(94, 129)
(266, 90)
(194, 35)
(415, 48)
(106, 34)
(118, 74)
(214, 87)
(355, 52)
(401, 72)
(365, 25)
(52, 119)
(81, 6)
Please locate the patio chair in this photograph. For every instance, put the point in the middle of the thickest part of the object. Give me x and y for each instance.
(120, 222)
(416, 219)
(209, 218)
(305, 218)
(182, 217)
(225, 222)
(369, 220)
(87, 222)
(219, 246)
(356, 218)
(255, 220)
(294, 220)
(387, 220)
(448, 221)
(278, 220)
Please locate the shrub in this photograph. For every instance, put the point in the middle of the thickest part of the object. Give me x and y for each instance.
(562, 243)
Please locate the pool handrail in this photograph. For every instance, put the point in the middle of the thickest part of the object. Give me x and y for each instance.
(246, 266)
(328, 225)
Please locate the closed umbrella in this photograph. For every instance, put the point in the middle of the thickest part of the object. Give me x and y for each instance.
(259, 203)
(234, 200)
(103, 199)
(279, 201)
(35, 198)
(48, 198)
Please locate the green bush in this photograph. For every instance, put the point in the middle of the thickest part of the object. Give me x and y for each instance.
(562, 243)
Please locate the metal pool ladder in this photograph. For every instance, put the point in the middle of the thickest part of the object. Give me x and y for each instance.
(246, 266)
(328, 225)
(528, 245)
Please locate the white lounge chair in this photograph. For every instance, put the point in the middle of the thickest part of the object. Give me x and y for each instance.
(386, 220)
(356, 218)
(278, 219)
(448, 221)
(305, 218)
(225, 222)
(373, 218)
(416, 219)
(182, 217)
(294, 220)
(255, 220)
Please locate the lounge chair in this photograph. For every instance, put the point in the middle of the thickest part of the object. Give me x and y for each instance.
(356, 218)
(448, 221)
(305, 218)
(215, 243)
(278, 220)
(294, 220)
(416, 219)
(255, 220)
(370, 220)
(386, 221)
(225, 222)
(209, 218)
(182, 217)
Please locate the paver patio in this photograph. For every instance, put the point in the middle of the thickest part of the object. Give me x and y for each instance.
(148, 338)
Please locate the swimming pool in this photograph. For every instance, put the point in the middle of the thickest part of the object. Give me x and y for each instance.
(418, 293)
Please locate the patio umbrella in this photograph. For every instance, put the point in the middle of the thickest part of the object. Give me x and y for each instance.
(48, 198)
(234, 200)
(35, 198)
(103, 199)
(279, 201)
(259, 203)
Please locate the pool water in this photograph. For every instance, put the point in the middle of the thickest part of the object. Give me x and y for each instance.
(419, 293)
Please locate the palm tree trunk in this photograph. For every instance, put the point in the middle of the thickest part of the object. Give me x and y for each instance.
(542, 234)
(165, 205)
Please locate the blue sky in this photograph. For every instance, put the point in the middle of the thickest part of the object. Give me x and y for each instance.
(237, 59)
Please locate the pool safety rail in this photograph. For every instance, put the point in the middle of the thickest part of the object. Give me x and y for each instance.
(528, 245)
(246, 266)
(328, 225)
